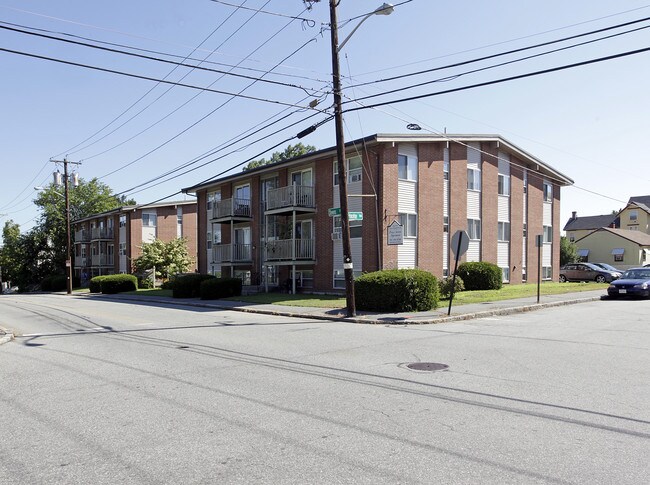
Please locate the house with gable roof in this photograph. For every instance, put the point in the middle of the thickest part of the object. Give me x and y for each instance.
(635, 216)
(622, 248)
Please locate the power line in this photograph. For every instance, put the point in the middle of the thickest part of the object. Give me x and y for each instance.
(309, 22)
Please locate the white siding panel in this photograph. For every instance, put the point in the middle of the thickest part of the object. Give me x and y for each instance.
(338, 254)
(445, 251)
(473, 205)
(504, 209)
(548, 214)
(406, 196)
(546, 254)
(356, 245)
(148, 234)
(445, 198)
(504, 163)
(406, 254)
(503, 254)
(474, 251)
(523, 252)
(474, 155)
(408, 149)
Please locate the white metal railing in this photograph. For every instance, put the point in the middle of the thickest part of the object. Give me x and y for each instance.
(283, 249)
(82, 236)
(102, 260)
(102, 233)
(81, 262)
(231, 207)
(290, 196)
(229, 253)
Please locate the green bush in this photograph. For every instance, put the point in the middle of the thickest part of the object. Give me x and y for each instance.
(95, 284)
(57, 282)
(145, 282)
(189, 285)
(480, 276)
(216, 288)
(117, 283)
(167, 285)
(397, 290)
(446, 284)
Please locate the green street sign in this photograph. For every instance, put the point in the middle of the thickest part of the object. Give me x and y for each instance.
(355, 216)
(335, 211)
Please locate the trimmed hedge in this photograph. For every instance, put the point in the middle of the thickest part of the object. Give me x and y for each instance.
(480, 275)
(57, 282)
(117, 283)
(216, 288)
(445, 286)
(189, 285)
(95, 284)
(397, 290)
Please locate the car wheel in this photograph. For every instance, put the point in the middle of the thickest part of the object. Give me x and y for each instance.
(562, 278)
(600, 279)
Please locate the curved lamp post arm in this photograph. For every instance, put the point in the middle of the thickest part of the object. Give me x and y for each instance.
(385, 9)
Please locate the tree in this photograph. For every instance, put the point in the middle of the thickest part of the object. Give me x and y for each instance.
(568, 251)
(167, 258)
(25, 258)
(292, 151)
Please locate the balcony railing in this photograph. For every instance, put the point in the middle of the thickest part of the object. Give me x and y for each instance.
(81, 262)
(290, 196)
(283, 250)
(235, 207)
(102, 233)
(82, 236)
(231, 253)
(103, 260)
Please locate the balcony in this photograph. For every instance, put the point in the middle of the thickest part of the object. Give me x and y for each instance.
(232, 210)
(290, 250)
(232, 253)
(81, 262)
(102, 260)
(101, 233)
(82, 236)
(294, 197)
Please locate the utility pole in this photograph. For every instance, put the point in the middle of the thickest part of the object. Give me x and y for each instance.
(342, 166)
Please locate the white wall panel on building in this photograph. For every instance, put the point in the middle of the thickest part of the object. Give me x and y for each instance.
(548, 214)
(445, 251)
(474, 155)
(408, 149)
(445, 198)
(474, 251)
(406, 196)
(356, 246)
(503, 209)
(407, 253)
(523, 252)
(504, 163)
(148, 234)
(473, 205)
(547, 250)
(503, 254)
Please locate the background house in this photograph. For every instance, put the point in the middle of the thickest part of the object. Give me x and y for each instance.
(107, 243)
(279, 222)
(578, 227)
(635, 216)
(622, 248)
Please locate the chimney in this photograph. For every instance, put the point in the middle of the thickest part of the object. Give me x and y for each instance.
(574, 215)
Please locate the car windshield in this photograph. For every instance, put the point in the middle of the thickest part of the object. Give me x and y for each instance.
(637, 274)
(607, 266)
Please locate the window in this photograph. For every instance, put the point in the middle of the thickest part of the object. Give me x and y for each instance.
(473, 179)
(505, 275)
(525, 181)
(410, 224)
(634, 215)
(523, 274)
(618, 253)
(355, 168)
(525, 230)
(122, 249)
(209, 240)
(123, 221)
(547, 273)
(407, 167)
(572, 238)
(504, 231)
(618, 257)
(548, 234)
(302, 178)
(148, 219)
(445, 169)
(548, 192)
(445, 224)
(209, 199)
(504, 184)
(474, 228)
(356, 229)
(339, 277)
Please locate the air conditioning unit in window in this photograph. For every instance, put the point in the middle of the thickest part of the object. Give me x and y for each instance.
(336, 236)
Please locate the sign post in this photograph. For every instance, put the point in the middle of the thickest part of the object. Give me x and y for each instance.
(459, 245)
(539, 242)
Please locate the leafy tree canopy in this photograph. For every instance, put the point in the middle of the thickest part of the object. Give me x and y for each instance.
(166, 257)
(568, 251)
(291, 151)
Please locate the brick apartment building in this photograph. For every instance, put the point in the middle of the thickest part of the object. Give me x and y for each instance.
(276, 225)
(107, 243)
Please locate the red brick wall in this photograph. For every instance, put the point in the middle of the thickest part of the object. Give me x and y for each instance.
(430, 204)
(134, 240)
(457, 194)
(535, 221)
(557, 224)
(489, 201)
(322, 224)
(190, 233)
(388, 203)
(516, 219)
(201, 230)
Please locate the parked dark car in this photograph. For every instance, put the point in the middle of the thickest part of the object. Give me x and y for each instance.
(609, 267)
(635, 282)
(586, 272)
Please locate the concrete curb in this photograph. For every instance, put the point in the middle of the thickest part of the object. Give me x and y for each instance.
(370, 319)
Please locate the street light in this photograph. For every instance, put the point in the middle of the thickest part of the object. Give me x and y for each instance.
(385, 9)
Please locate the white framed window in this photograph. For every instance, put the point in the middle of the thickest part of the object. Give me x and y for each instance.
(474, 228)
(473, 179)
(122, 249)
(503, 231)
(445, 169)
(525, 234)
(548, 192)
(123, 220)
(634, 215)
(149, 219)
(548, 234)
(445, 224)
(505, 275)
(547, 273)
(410, 224)
(302, 177)
(525, 181)
(209, 200)
(523, 274)
(339, 277)
(209, 240)
(356, 229)
(504, 184)
(407, 167)
(355, 170)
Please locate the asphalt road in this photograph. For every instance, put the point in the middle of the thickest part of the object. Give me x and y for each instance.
(99, 392)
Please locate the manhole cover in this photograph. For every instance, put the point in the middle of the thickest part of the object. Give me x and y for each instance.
(430, 366)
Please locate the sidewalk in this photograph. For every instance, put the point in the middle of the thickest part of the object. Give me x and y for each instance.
(460, 312)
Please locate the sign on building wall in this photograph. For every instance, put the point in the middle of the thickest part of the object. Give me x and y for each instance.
(395, 234)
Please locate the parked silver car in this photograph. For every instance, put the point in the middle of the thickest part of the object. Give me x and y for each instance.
(586, 272)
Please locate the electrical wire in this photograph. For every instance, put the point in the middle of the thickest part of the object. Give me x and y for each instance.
(309, 22)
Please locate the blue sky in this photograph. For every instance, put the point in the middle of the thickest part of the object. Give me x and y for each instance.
(589, 122)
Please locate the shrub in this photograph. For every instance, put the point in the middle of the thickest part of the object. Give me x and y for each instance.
(95, 284)
(57, 282)
(480, 276)
(446, 284)
(397, 290)
(167, 285)
(117, 283)
(145, 282)
(189, 285)
(215, 288)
